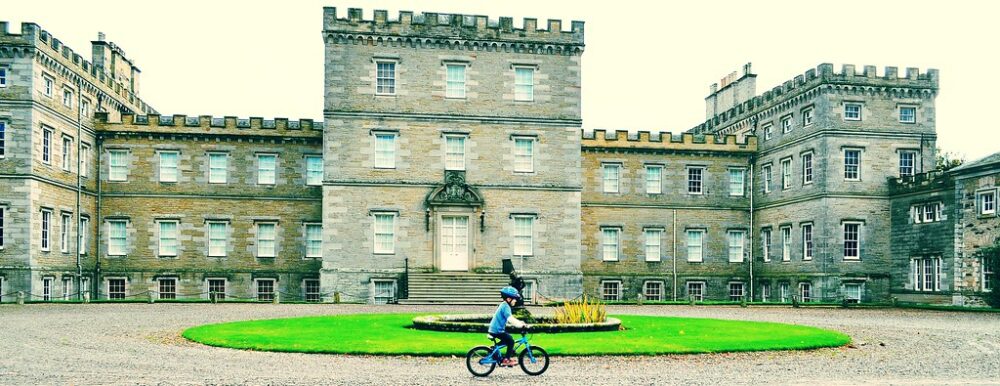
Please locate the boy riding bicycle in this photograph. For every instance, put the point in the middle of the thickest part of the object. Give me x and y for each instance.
(498, 326)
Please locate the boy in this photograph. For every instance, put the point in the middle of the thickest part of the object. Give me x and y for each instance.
(498, 326)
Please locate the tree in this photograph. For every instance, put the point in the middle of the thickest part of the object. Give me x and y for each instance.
(947, 160)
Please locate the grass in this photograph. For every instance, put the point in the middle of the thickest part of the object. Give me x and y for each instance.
(388, 334)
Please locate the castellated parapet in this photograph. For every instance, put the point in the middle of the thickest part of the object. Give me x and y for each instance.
(471, 32)
(654, 141)
(912, 83)
(921, 182)
(207, 125)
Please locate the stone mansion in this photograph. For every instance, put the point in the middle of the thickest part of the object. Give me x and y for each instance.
(450, 143)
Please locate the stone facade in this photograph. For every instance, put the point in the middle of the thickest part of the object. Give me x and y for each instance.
(454, 142)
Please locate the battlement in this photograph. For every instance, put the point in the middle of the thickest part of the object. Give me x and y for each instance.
(931, 180)
(848, 76)
(209, 125)
(452, 26)
(645, 140)
(33, 35)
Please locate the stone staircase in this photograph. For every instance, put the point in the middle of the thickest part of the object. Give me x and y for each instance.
(455, 288)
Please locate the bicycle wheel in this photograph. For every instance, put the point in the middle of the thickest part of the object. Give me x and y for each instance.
(535, 366)
(475, 359)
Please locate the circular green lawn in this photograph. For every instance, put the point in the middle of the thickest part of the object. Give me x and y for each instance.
(388, 334)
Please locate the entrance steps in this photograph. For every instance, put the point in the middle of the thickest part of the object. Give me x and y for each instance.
(455, 288)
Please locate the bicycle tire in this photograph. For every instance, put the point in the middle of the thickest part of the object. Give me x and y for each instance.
(540, 356)
(472, 361)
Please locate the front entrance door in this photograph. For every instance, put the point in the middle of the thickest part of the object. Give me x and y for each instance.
(454, 243)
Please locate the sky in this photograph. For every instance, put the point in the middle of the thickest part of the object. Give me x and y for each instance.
(647, 65)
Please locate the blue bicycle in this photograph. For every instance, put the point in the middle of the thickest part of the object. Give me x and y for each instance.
(482, 360)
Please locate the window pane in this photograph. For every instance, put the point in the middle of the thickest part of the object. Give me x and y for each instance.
(266, 169)
(851, 241)
(654, 178)
(265, 240)
(523, 84)
(694, 245)
(217, 239)
(523, 155)
(385, 78)
(455, 87)
(314, 240)
(653, 239)
(314, 170)
(736, 247)
(384, 233)
(217, 164)
(611, 175)
(695, 180)
(735, 182)
(610, 244)
(118, 238)
(168, 166)
(454, 153)
(385, 151)
(168, 238)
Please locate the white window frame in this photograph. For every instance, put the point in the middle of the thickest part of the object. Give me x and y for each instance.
(786, 124)
(986, 269)
(913, 163)
(853, 296)
(783, 292)
(926, 273)
(3, 139)
(986, 201)
(654, 180)
(807, 168)
(786, 243)
(699, 183)
(267, 174)
(48, 85)
(213, 238)
(115, 295)
(167, 295)
(67, 97)
(456, 88)
(265, 296)
(608, 296)
(808, 245)
(913, 118)
(389, 77)
(84, 160)
(611, 248)
(313, 244)
(646, 290)
(84, 225)
(765, 244)
(46, 145)
(524, 242)
(67, 287)
(807, 117)
(844, 226)
(695, 252)
(262, 250)
(857, 166)
(314, 176)
(65, 219)
(214, 158)
(167, 172)
(219, 295)
(67, 153)
(112, 250)
(653, 243)
(389, 234)
(47, 288)
(737, 188)
(3, 76)
(765, 292)
(524, 92)
(85, 108)
(391, 298)
(851, 117)
(736, 285)
(700, 296)
(786, 173)
(168, 245)
(454, 159)
(768, 131)
(611, 183)
(806, 288)
(312, 296)
(768, 176)
(46, 231)
(736, 245)
(118, 172)
(520, 165)
(384, 158)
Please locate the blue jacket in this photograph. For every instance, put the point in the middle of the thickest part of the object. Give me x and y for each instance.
(499, 323)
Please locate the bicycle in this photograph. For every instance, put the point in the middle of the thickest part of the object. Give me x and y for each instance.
(482, 360)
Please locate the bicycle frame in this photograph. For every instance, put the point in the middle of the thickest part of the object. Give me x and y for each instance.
(495, 355)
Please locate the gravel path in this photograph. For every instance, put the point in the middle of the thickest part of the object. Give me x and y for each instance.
(140, 344)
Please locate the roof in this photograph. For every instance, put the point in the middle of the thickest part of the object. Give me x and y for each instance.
(990, 159)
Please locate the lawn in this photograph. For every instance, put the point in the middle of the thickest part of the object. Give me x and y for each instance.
(387, 334)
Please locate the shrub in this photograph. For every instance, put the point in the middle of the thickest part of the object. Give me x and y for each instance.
(585, 310)
(991, 256)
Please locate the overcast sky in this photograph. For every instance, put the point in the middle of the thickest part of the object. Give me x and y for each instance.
(647, 65)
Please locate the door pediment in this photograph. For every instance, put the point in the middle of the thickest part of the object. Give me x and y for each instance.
(454, 192)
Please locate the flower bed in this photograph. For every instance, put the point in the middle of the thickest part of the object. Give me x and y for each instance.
(481, 323)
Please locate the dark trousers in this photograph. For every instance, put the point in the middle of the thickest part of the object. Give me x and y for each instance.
(506, 340)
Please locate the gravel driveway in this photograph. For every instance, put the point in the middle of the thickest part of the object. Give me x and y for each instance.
(140, 344)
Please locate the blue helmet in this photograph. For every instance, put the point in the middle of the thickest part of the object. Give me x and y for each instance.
(509, 292)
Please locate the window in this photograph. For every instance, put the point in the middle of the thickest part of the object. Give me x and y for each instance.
(85, 108)
(3, 77)
(609, 243)
(524, 84)
(926, 274)
(736, 246)
(654, 179)
(67, 153)
(314, 240)
(807, 241)
(767, 177)
(695, 245)
(267, 169)
(46, 229)
(48, 84)
(385, 237)
(528, 294)
(907, 162)
(924, 213)
(117, 165)
(218, 167)
(696, 290)
(314, 170)
(653, 240)
(168, 166)
(310, 290)
(768, 131)
(786, 124)
(84, 285)
(805, 292)
(852, 165)
(67, 286)
(695, 177)
(117, 237)
(852, 111)
(765, 292)
(611, 290)
(168, 288)
(67, 99)
(852, 240)
(987, 202)
(64, 225)
(786, 243)
(116, 289)
(385, 78)
(455, 87)
(47, 289)
(454, 154)
(653, 290)
(84, 160)
(523, 232)
(786, 173)
(46, 146)
(168, 238)
(783, 292)
(765, 244)
(385, 151)
(265, 290)
(988, 264)
(218, 238)
(807, 168)
(736, 177)
(735, 292)
(908, 114)
(612, 173)
(852, 293)
(385, 291)
(81, 237)
(3, 139)
(807, 117)
(2, 213)
(266, 239)
(217, 287)
(524, 161)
